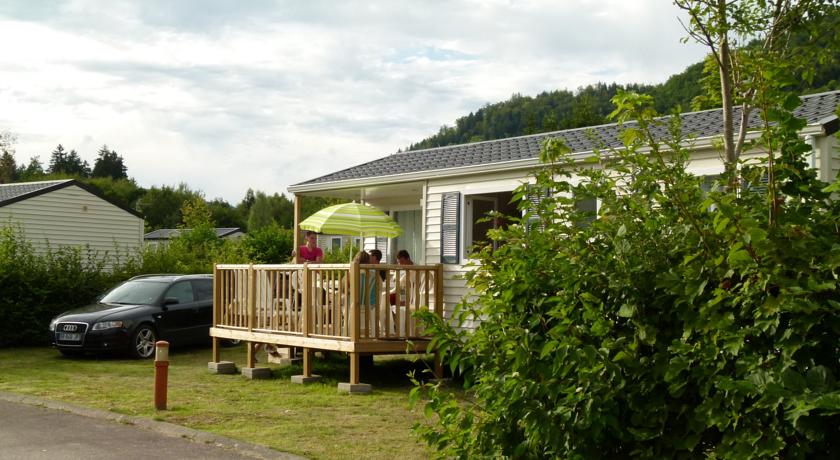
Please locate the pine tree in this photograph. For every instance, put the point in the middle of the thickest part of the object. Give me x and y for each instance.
(33, 171)
(8, 168)
(109, 164)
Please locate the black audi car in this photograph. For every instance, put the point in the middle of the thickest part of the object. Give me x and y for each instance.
(138, 312)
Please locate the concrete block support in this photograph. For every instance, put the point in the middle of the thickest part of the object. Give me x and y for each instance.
(354, 388)
(221, 367)
(256, 372)
(304, 379)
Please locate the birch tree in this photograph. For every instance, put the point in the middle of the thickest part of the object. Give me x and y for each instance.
(750, 42)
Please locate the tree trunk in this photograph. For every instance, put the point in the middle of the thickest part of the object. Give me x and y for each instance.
(726, 93)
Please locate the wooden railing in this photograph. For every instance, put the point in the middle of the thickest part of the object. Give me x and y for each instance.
(345, 302)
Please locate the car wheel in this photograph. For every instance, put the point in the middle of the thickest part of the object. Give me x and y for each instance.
(143, 342)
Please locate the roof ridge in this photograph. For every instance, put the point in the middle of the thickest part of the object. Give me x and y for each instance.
(700, 123)
(585, 128)
(55, 181)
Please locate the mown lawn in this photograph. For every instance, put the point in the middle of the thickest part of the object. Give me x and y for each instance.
(312, 420)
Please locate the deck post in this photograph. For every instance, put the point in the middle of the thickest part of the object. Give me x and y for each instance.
(439, 290)
(355, 320)
(249, 354)
(216, 307)
(354, 368)
(438, 366)
(295, 229)
(217, 366)
(354, 387)
(307, 306)
(252, 296)
(305, 299)
(307, 376)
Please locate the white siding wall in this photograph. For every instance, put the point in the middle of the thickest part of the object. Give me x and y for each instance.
(455, 288)
(72, 216)
(704, 162)
(828, 157)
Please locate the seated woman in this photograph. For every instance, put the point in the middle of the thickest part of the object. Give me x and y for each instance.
(367, 279)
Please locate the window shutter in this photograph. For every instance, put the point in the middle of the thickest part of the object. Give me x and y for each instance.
(761, 187)
(534, 196)
(589, 206)
(382, 245)
(450, 228)
(708, 184)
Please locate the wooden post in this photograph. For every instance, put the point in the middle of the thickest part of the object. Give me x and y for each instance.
(249, 357)
(307, 362)
(439, 290)
(306, 300)
(216, 310)
(355, 320)
(295, 229)
(354, 368)
(252, 297)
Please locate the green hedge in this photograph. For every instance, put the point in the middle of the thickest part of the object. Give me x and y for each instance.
(34, 287)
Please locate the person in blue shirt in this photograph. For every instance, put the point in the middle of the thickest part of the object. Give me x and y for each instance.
(366, 279)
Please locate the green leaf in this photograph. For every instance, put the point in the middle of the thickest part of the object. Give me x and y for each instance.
(757, 235)
(791, 102)
(819, 379)
(794, 381)
(739, 258)
(627, 311)
(829, 402)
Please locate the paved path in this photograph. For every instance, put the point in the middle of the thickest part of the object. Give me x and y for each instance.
(30, 431)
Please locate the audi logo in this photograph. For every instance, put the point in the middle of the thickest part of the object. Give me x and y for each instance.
(70, 327)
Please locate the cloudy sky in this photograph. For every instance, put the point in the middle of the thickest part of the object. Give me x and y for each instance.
(228, 95)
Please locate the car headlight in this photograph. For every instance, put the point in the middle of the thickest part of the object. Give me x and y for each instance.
(52, 325)
(107, 325)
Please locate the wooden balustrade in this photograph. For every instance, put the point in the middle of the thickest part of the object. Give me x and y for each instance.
(329, 302)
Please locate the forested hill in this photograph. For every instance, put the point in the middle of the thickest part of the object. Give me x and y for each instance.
(588, 106)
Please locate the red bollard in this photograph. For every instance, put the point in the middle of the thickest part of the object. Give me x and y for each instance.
(161, 373)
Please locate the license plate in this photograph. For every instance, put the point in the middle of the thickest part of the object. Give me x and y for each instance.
(69, 337)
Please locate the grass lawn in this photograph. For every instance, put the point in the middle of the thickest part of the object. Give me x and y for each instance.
(312, 420)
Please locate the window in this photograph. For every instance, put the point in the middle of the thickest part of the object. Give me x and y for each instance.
(589, 206)
(203, 289)
(335, 243)
(182, 291)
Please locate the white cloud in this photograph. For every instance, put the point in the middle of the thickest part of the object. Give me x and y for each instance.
(228, 96)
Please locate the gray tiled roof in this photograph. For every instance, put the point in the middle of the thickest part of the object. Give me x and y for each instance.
(15, 192)
(12, 193)
(167, 233)
(815, 108)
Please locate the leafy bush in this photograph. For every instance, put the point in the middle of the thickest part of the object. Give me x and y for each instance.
(342, 256)
(679, 324)
(34, 287)
(270, 244)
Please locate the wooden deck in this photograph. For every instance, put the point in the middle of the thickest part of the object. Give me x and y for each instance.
(352, 308)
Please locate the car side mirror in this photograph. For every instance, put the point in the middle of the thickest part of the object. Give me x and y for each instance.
(170, 301)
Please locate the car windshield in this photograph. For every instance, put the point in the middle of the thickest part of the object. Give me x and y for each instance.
(139, 292)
